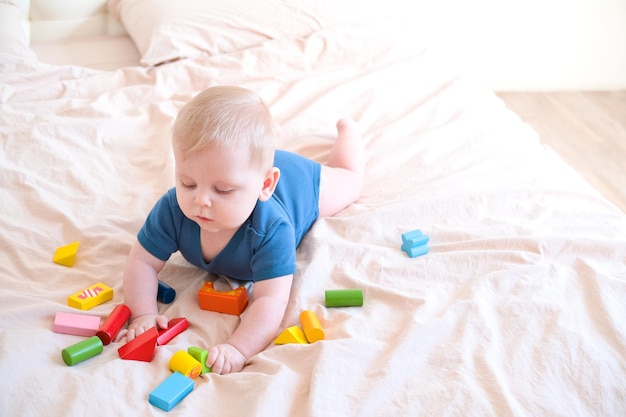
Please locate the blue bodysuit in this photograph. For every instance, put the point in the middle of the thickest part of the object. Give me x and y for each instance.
(264, 246)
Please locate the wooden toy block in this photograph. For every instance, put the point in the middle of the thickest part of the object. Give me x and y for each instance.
(76, 324)
(414, 243)
(82, 351)
(293, 334)
(174, 328)
(165, 293)
(90, 297)
(186, 364)
(65, 255)
(201, 355)
(141, 348)
(311, 326)
(344, 298)
(112, 325)
(171, 391)
(229, 302)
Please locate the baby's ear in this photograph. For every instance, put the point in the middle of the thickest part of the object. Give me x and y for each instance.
(269, 183)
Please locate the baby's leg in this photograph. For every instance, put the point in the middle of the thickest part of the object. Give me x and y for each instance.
(343, 174)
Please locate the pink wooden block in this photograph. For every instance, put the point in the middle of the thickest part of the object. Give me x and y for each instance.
(77, 324)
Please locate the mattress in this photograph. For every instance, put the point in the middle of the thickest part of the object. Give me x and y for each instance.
(515, 309)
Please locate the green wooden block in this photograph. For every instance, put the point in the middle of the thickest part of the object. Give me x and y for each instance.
(201, 356)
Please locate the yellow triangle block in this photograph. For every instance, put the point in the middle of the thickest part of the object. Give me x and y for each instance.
(65, 255)
(292, 334)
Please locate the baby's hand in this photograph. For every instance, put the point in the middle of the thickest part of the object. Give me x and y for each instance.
(140, 324)
(224, 359)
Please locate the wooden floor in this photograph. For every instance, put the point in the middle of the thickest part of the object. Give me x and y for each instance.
(587, 129)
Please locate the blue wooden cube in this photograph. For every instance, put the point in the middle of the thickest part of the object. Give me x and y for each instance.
(171, 391)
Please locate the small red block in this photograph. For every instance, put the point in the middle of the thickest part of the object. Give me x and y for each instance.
(174, 328)
(141, 348)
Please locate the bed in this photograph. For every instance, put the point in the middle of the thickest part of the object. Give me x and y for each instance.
(517, 308)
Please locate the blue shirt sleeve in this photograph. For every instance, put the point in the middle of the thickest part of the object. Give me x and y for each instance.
(159, 234)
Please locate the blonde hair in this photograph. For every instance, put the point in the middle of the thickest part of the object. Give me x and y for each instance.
(226, 117)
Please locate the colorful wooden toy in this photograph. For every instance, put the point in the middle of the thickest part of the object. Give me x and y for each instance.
(186, 364)
(344, 298)
(90, 297)
(165, 293)
(174, 328)
(201, 355)
(229, 302)
(171, 391)
(414, 243)
(82, 351)
(311, 326)
(112, 325)
(65, 255)
(141, 348)
(293, 334)
(76, 324)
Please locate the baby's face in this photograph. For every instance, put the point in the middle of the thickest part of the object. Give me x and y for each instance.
(217, 188)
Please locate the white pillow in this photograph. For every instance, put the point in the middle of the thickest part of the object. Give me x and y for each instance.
(13, 40)
(166, 30)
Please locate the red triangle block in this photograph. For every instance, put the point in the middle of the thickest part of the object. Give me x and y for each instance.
(141, 348)
(174, 328)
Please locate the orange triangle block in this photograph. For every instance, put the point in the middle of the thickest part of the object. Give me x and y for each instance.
(65, 255)
(292, 334)
(142, 347)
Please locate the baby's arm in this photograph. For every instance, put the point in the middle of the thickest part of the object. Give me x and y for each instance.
(259, 325)
(140, 291)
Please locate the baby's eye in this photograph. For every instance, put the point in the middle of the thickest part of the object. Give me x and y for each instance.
(187, 185)
(223, 190)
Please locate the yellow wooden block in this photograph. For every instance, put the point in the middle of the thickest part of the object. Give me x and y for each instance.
(311, 325)
(292, 334)
(65, 255)
(90, 297)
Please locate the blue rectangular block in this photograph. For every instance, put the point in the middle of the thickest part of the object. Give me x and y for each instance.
(171, 391)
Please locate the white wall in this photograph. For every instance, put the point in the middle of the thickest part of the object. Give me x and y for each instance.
(533, 44)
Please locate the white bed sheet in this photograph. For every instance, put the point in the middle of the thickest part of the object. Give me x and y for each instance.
(517, 309)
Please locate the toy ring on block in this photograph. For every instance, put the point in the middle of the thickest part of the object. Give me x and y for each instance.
(311, 326)
(229, 302)
(344, 298)
(90, 297)
(186, 364)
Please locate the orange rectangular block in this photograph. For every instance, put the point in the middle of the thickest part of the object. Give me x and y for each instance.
(229, 302)
(90, 297)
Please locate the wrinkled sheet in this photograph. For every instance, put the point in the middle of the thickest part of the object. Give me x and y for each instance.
(518, 308)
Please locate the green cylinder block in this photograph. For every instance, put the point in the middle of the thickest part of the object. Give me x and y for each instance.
(82, 351)
(344, 298)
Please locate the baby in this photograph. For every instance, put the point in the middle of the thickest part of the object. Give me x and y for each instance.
(239, 209)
